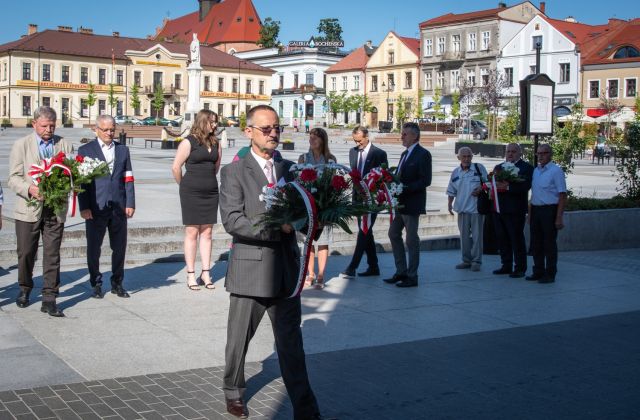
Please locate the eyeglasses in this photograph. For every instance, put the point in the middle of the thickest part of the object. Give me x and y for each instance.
(267, 130)
(543, 153)
(112, 130)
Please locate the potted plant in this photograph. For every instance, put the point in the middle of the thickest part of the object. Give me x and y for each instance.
(288, 144)
(6, 122)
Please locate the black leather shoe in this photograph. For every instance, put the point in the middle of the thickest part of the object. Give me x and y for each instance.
(534, 277)
(52, 309)
(408, 282)
(349, 272)
(502, 270)
(516, 274)
(236, 408)
(119, 290)
(22, 300)
(97, 292)
(370, 272)
(547, 279)
(395, 278)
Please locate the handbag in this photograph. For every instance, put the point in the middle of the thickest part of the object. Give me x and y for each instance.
(483, 202)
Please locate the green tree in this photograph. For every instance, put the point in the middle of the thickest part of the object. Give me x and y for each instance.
(336, 103)
(455, 108)
(91, 98)
(158, 100)
(269, 32)
(628, 171)
(419, 100)
(243, 121)
(360, 103)
(330, 30)
(401, 110)
(508, 129)
(135, 99)
(568, 140)
(612, 107)
(437, 107)
(111, 98)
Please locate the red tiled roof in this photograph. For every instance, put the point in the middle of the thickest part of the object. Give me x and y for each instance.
(220, 25)
(450, 18)
(103, 46)
(578, 33)
(357, 60)
(619, 34)
(412, 43)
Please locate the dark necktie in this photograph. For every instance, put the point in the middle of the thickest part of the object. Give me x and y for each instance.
(402, 158)
(360, 161)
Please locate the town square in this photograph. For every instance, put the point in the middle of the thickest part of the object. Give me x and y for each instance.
(435, 208)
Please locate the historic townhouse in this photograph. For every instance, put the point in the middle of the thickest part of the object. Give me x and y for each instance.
(298, 81)
(561, 42)
(611, 67)
(465, 46)
(57, 67)
(348, 77)
(393, 75)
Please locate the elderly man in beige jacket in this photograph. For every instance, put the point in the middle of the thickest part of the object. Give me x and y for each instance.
(34, 221)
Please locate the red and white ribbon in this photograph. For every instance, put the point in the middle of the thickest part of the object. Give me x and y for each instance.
(392, 210)
(365, 221)
(494, 195)
(128, 176)
(312, 213)
(37, 171)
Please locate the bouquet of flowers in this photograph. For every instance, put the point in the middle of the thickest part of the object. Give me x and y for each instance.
(59, 176)
(319, 194)
(380, 190)
(508, 172)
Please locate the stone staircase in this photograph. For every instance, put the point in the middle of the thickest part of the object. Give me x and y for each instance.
(148, 244)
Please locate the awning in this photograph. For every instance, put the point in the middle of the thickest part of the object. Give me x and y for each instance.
(596, 112)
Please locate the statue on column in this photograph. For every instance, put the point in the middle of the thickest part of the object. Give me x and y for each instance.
(195, 50)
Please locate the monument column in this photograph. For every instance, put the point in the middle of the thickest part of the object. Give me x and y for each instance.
(194, 71)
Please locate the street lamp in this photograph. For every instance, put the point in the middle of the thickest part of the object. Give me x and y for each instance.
(238, 88)
(40, 48)
(388, 89)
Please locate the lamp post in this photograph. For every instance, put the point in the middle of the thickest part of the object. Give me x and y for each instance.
(388, 89)
(238, 106)
(40, 48)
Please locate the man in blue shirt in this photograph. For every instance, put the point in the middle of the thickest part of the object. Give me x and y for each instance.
(548, 200)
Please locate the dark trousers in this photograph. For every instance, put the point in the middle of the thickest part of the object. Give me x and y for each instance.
(509, 229)
(116, 223)
(543, 240)
(365, 244)
(245, 314)
(27, 238)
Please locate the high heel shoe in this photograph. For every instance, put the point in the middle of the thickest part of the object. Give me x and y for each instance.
(207, 285)
(319, 283)
(192, 286)
(308, 282)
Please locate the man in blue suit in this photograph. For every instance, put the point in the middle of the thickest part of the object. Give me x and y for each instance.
(414, 171)
(107, 203)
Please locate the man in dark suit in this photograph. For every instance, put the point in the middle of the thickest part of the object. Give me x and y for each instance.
(106, 204)
(363, 157)
(509, 223)
(263, 269)
(414, 171)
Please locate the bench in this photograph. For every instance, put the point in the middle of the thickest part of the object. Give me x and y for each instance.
(151, 141)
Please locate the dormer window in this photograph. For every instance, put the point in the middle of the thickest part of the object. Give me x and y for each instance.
(626, 52)
(238, 19)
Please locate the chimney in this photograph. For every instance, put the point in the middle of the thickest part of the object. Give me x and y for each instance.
(543, 5)
(116, 34)
(32, 29)
(65, 28)
(368, 44)
(502, 5)
(613, 22)
(205, 7)
(86, 31)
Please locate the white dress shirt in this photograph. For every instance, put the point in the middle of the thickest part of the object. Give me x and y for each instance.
(109, 152)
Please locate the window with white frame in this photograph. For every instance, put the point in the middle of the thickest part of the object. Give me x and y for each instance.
(220, 84)
(455, 40)
(334, 84)
(594, 89)
(472, 42)
(508, 74)
(565, 70)
(471, 77)
(484, 77)
(84, 75)
(356, 82)
(441, 45)
(391, 84)
(486, 40)
(46, 72)
(261, 87)
(455, 79)
(248, 86)
(344, 83)
(428, 81)
(631, 88)
(309, 79)
(392, 57)
(428, 47)
(440, 79)
(4, 73)
(612, 88)
(26, 71)
(374, 83)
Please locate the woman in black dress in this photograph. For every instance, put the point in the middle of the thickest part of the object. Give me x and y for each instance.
(200, 153)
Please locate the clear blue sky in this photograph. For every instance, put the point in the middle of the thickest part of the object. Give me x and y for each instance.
(361, 20)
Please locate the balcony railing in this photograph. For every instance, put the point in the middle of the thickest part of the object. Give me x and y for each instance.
(167, 90)
(453, 55)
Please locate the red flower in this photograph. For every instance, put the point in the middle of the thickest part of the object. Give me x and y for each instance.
(79, 158)
(381, 198)
(270, 185)
(355, 176)
(59, 158)
(386, 176)
(308, 175)
(339, 183)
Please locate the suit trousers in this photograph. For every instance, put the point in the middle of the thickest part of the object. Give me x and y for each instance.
(471, 228)
(408, 222)
(509, 228)
(27, 238)
(245, 314)
(365, 244)
(116, 223)
(543, 240)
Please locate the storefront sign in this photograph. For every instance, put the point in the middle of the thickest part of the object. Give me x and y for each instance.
(312, 43)
(230, 95)
(74, 86)
(563, 101)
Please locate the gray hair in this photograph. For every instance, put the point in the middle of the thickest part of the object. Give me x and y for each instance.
(516, 145)
(465, 149)
(361, 129)
(45, 112)
(257, 108)
(414, 128)
(105, 117)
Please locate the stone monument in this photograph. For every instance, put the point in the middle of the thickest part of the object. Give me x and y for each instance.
(194, 70)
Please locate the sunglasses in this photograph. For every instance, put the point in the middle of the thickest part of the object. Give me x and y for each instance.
(267, 130)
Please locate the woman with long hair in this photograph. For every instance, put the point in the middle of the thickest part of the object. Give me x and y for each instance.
(318, 154)
(201, 154)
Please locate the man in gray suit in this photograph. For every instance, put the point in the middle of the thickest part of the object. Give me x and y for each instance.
(262, 271)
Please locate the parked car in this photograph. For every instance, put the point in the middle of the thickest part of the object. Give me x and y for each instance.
(479, 130)
(160, 121)
(126, 119)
